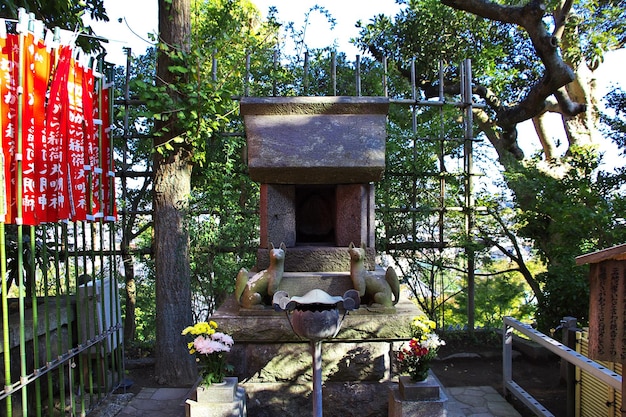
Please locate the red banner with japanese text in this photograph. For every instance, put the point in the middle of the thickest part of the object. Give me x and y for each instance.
(92, 147)
(9, 66)
(55, 146)
(34, 150)
(56, 193)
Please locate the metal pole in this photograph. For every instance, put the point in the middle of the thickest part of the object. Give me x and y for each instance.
(246, 82)
(22, 28)
(333, 71)
(623, 405)
(466, 97)
(358, 75)
(274, 84)
(316, 352)
(507, 357)
(305, 76)
(569, 340)
(214, 66)
(385, 88)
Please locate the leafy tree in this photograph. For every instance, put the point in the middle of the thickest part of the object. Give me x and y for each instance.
(528, 59)
(191, 104)
(63, 14)
(497, 295)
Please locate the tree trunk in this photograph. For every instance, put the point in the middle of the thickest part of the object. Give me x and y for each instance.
(172, 184)
(174, 364)
(582, 129)
(130, 326)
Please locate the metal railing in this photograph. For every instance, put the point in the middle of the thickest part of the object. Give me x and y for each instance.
(570, 355)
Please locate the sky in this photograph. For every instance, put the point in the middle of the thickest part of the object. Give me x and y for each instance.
(139, 17)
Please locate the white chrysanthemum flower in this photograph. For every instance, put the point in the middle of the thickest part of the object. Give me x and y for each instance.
(223, 338)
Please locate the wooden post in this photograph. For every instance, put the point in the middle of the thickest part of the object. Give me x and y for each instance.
(607, 311)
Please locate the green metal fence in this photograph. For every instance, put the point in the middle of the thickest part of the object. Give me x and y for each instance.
(62, 338)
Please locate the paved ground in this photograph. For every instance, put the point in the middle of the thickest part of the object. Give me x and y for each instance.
(478, 402)
(170, 402)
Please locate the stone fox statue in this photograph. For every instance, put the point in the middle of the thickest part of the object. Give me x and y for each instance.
(373, 289)
(258, 290)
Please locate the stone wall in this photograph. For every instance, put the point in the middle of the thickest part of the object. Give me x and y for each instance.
(55, 344)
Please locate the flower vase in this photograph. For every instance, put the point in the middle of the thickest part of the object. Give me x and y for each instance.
(424, 390)
(224, 399)
(420, 372)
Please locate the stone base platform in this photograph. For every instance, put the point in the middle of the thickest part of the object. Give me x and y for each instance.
(274, 364)
(227, 399)
(248, 326)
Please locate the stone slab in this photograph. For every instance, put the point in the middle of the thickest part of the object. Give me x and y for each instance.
(300, 283)
(263, 326)
(355, 215)
(315, 140)
(427, 408)
(277, 215)
(341, 362)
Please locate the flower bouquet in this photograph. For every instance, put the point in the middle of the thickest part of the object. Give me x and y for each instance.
(210, 348)
(422, 349)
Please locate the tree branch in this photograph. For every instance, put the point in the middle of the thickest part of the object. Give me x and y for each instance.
(557, 73)
(517, 256)
(560, 17)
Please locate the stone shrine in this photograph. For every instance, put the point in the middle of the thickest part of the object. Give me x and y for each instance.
(316, 159)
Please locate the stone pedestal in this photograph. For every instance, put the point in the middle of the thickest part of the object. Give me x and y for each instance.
(417, 399)
(218, 400)
(275, 364)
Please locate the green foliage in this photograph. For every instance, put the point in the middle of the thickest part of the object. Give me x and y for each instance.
(36, 258)
(221, 217)
(222, 240)
(67, 14)
(568, 215)
(480, 339)
(496, 296)
(145, 312)
(427, 31)
(565, 218)
(198, 102)
(594, 28)
(423, 240)
(566, 290)
(614, 118)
